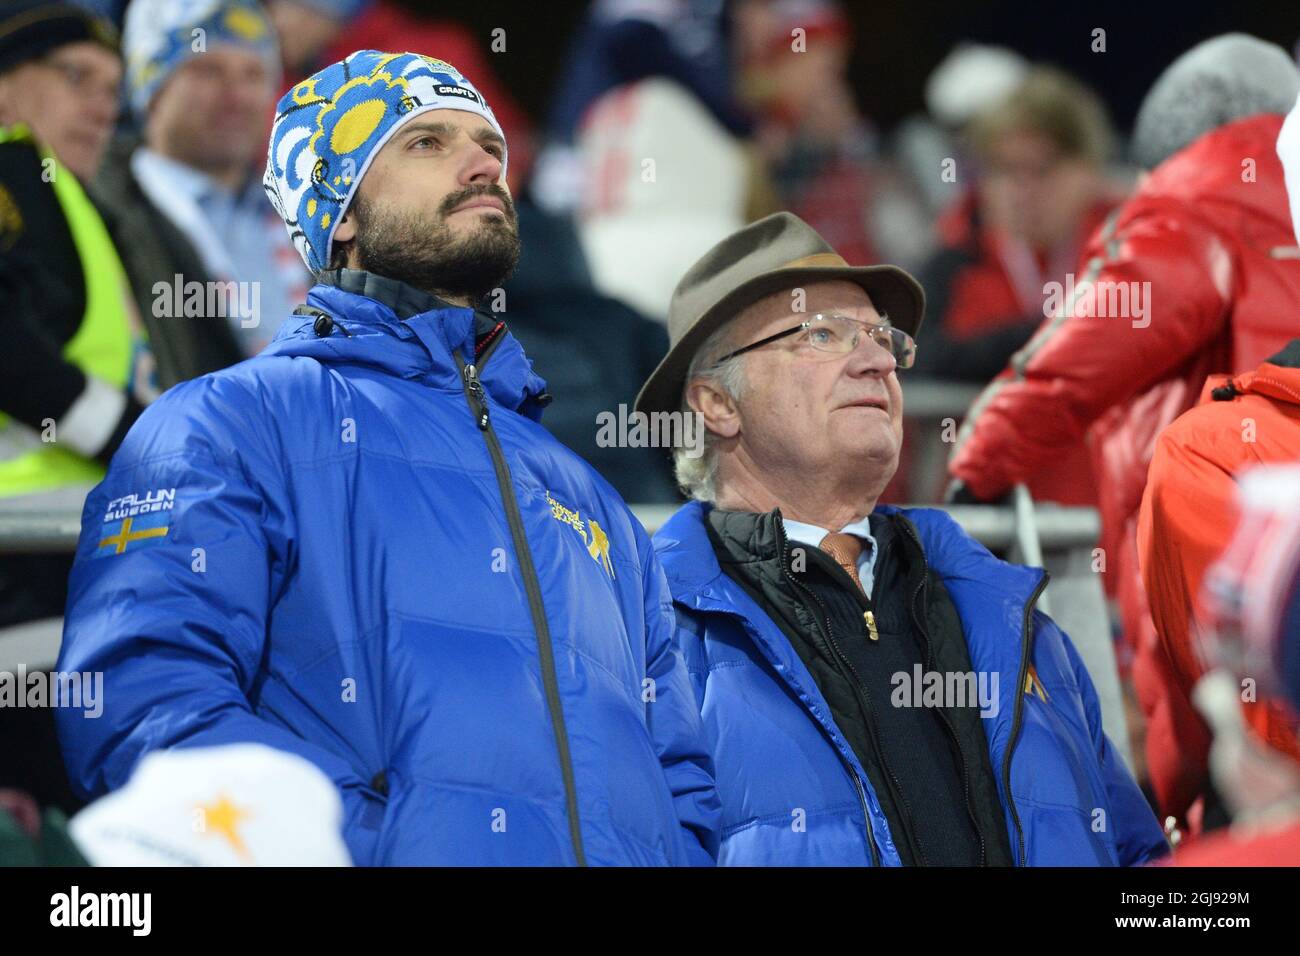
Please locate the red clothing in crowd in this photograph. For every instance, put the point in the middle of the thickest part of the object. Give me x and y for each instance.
(1207, 244)
(987, 292)
(1274, 847)
(1187, 518)
(1001, 283)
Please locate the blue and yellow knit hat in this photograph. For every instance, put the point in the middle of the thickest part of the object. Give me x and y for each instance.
(160, 35)
(330, 126)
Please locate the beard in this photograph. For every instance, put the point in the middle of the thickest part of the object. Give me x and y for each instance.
(404, 245)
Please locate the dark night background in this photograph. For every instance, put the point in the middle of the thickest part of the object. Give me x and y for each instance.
(898, 44)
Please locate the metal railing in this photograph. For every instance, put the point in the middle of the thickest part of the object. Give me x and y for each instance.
(39, 532)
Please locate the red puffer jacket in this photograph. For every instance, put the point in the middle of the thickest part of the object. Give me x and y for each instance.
(1278, 845)
(1196, 274)
(1188, 516)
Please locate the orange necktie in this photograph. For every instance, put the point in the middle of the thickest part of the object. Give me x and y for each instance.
(845, 549)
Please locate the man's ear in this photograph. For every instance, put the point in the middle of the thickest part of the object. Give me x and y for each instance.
(717, 409)
(346, 230)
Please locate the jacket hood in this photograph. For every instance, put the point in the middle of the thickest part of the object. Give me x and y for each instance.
(691, 566)
(1210, 170)
(1216, 82)
(393, 328)
(1277, 378)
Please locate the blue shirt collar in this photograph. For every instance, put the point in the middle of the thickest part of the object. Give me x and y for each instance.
(195, 183)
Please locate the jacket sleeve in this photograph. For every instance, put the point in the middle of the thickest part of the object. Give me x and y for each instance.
(1138, 837)
(675, 723)
(1170, 280)
(177, 623)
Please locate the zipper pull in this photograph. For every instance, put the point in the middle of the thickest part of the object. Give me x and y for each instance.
(870, 618)
(475, 388)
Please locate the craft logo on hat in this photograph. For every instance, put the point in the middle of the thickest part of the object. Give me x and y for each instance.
(445, 90)
(331, 126)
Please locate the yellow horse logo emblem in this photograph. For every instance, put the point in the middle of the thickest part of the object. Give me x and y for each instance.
(599, 547)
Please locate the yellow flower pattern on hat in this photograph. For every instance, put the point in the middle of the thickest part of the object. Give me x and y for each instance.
(329, 127)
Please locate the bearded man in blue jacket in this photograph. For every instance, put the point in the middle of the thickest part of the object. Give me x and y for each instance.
(361, 547)
(878, 688)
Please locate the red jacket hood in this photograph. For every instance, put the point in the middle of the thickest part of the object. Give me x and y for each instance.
(1277, 381)
(1211, 170)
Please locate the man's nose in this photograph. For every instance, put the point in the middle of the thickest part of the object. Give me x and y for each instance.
(480, 167)
(870, 358)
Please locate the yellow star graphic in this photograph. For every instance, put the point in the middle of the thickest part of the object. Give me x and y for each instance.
(224, 817)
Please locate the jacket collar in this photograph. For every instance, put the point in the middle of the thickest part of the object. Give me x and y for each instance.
(400, 330)
(990, 594)
(1279, 376)
(1289, 357)
(404, 300)
(744, 536)
(688, 558)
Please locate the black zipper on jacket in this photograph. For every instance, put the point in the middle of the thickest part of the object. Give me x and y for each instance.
(943, 714)
(477, 398)
(830, 636)
(864, 698)
(1025, 638)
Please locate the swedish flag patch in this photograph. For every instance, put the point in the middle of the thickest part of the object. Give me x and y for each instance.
(138, 531)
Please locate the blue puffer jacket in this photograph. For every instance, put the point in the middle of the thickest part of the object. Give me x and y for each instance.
(781, 761)
(338, 574)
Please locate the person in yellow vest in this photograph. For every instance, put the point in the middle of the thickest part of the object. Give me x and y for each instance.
(75, 369)
(75, 372)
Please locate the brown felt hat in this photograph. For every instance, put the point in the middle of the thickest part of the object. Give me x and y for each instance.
(780, 251)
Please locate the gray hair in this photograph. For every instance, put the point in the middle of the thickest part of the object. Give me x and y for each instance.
(1223, 79)
(698, 476)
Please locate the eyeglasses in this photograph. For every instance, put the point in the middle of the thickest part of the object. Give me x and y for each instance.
(839, 334)
(81, 79)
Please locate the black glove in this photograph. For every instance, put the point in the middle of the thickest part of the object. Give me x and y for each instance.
(957, 493)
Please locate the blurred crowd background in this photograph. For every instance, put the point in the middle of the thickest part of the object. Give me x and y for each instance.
(978, 146)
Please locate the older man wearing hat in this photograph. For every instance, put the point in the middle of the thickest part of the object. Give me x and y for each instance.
(877, 687)
(361, 547)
